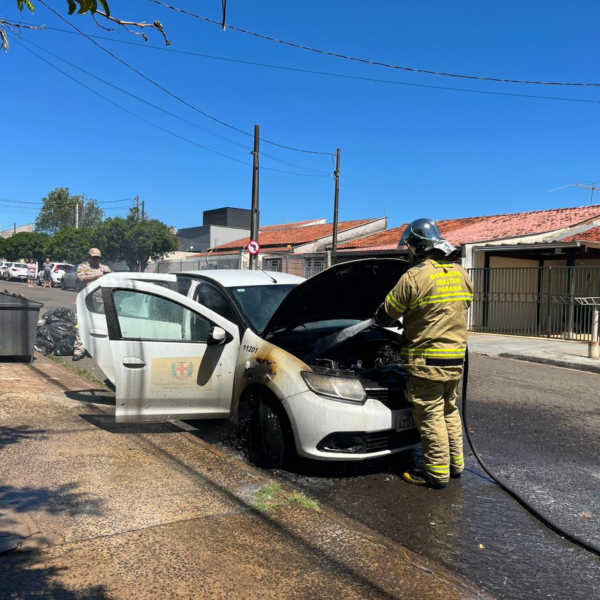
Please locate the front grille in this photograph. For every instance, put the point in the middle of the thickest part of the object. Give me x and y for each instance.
(392, 397)
(390, 440)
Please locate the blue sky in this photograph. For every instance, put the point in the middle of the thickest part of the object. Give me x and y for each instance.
(407, 151)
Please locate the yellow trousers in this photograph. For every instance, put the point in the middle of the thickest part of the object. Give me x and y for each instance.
(438, 420)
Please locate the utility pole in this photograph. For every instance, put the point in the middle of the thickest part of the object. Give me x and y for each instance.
(137, 199)
(336, 205)
(255, 214)
(77, 214)
(143, 210)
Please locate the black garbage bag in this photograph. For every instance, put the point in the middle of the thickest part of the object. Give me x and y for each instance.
(66, 347)
(55, 332)
(60, 315)
(44, 346)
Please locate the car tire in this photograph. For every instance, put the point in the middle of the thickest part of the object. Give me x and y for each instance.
(62, 284)
(266, 434)
(78, 285)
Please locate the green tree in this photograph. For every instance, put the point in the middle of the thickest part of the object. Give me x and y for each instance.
(136, 242)
(25, 245)
(70, 245)
(60, 211)
(2, 247)
(96, 8)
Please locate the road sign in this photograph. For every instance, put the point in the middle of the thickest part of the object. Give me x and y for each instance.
(253, 248)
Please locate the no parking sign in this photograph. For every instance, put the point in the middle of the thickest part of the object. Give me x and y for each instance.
(253, 247)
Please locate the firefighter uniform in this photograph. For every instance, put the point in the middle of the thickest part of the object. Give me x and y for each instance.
(432, 298)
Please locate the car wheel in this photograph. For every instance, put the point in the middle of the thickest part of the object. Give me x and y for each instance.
(266, 434)
(78, 285)
(62, 284)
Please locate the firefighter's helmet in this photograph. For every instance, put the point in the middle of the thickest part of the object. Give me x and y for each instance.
(424, 237)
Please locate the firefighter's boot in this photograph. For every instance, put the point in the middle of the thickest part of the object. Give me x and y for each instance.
(419, 478)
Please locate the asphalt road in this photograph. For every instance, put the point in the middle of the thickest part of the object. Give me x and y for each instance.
(537, 426)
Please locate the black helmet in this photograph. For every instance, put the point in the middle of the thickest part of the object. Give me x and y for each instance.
(424, 236)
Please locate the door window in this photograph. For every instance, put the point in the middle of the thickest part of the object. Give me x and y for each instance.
(143, 316)
(210, 296)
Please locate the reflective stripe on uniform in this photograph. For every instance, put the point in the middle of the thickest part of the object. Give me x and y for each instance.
(439, 352)
(395, 303)
(438, 468)
(436, 299)
(459, 460)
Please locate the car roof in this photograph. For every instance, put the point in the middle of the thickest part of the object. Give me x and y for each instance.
(242, 277)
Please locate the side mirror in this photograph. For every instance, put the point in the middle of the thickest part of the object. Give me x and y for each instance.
(218, 336)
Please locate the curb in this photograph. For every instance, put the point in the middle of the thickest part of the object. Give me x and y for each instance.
(554, 362)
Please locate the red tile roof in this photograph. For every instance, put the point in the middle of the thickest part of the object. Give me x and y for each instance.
(494, 227)
(292, 237)
(591, 235)
(292, 225)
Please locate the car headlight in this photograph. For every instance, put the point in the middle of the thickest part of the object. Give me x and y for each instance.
(345, 389)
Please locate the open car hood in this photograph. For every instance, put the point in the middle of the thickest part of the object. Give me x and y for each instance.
(350, 290)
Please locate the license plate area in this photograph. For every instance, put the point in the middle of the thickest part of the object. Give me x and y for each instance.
(404, 421)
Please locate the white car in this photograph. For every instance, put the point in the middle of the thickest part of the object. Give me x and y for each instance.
(255, 347)
(15, 271)
(58, 270)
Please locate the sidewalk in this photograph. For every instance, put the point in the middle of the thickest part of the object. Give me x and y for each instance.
(90, 509)
(559, 353)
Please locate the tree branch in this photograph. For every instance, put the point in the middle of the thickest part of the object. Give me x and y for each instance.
(13, 27)
(127, 24)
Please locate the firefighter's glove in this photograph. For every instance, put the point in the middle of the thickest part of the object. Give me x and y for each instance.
(382, 318)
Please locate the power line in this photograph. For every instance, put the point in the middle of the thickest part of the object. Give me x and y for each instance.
(175, 116)
(19, 201)
(173, 95)
(371, 62)
(327, 73)
(122, 107)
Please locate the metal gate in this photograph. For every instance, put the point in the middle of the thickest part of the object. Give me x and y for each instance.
(534, 301)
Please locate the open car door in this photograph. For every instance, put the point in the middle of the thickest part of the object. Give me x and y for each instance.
(91, 316)
(173, 358)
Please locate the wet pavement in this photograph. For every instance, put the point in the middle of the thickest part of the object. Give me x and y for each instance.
(537, 426)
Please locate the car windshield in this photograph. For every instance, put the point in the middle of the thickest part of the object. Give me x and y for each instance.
(258, 303)
(20, 265)
(63, 267)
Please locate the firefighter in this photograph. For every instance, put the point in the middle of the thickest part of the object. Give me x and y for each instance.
(432, 298)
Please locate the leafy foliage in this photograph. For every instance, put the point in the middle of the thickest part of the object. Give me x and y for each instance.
(70, 245)
(136, 242)
(59, 211)
(83, 6)
(26, 245)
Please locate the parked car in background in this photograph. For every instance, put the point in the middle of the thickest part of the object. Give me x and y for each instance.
(15, 271)
(58, 270)
(69, 279)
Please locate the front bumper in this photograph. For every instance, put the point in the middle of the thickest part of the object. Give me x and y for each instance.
(314, 419)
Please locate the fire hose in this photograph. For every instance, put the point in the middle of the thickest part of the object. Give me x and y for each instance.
(547, 521)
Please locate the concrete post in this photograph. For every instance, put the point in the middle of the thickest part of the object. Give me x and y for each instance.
(593, 346)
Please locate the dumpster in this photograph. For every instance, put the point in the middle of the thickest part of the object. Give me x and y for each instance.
(18, 325)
